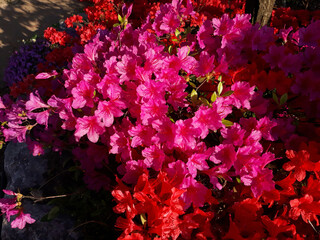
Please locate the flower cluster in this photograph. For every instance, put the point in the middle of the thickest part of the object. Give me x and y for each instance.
(25, 60)
(209, 125)
(11, 207)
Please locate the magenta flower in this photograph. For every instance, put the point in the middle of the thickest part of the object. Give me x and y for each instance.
(197, 162)
(154, 156)
(186, 134)
(35, 102)
(223, 25)
(107, 110)
(165, 131)
(195, 194)
(46, 75)
(91, 126)
(265, 126)
(83, 95)
(22, 219)
(153, 110)
(204, 35)
(11, 207)
(207, 118)
(142, 135)
(127, 68)
(205, 64)
(233, 135)
(225, 155)
(170, 22)
(242, 94)
(120, 145)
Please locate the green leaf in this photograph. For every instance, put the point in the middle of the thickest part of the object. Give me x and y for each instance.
(227, 93)
(213, 97)
(170, 49)
(120, 18)
(53, 213)
(177, 33)
(227, 123)
(175, 40)
(204, 101)
(220, 88)
(283, 98)
(143, 218)
(192, 84)
(116, 24)
(220, 78)
(275, 98)
(194, 94)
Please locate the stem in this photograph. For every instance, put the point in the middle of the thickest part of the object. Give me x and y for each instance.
(38, 199)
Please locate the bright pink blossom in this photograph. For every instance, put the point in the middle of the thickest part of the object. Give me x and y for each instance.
(242, 94)
(90, 126)
(83, 95)
(21, 220)
(108, 110)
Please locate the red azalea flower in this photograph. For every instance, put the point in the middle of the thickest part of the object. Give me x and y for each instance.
(306, 208)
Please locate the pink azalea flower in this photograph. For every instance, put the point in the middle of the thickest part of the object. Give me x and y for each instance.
(290, 63)
(242, 94)
(35, 102)
(35, 147)
(222, 25)
(170, 22)
(252, 139)
(216, 173)
(177, 171)
(151, 89)
(262, 181)
(81, 61)
(204, 35)
(133, 170)
(233, 135)
(207, 118)
(195, 194)
(197, 162)
(274, 55)
(15, 131)
(259, 105)
(165, 131)
(177, 92)
(127, 68)
(83, 95)
(21, 220)
(153, 110)
(120, 145)
(205, 64)
(265, 126)
(225, 155)
(186, 134)
(107, 110)
(142, 135)
(154, 156)
(90, 126)
(8, 205)
(46, 75)
(310, 36)
(261, 37)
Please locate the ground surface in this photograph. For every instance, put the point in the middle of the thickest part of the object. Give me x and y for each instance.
(22, 19)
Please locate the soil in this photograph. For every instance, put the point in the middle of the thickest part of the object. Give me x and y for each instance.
(23, 19)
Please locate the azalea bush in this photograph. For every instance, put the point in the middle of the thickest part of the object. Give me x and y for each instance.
(194, 124)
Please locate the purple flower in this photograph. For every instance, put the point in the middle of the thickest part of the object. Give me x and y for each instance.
(24, 61)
